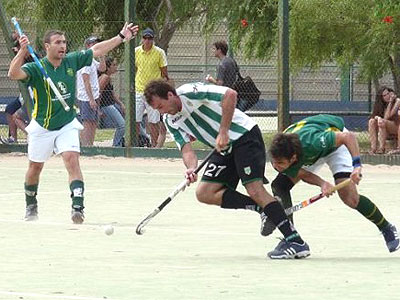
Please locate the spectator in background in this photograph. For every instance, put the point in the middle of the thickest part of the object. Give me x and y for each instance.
(227, 70)
(384, 121)
(88, 94)
(16, 114)
(151, 63)
(108, 99)
(17, 117)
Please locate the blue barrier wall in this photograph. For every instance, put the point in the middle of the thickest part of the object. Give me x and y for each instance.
(353, 122)
(358, 122)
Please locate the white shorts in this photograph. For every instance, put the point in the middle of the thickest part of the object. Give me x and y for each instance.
(339, 161)
(42, 142)
(153, 116)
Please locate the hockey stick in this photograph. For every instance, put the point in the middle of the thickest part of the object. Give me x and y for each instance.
(306, 203)
(37, 62)
(179, 188)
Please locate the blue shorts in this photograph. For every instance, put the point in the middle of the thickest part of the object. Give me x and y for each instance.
(13, 106)
(16, 107)
(86, 112)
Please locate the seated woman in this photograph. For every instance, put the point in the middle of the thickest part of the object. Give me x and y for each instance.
(108, 99)
(384, 121)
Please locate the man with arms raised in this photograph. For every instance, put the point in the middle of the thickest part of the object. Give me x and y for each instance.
(52, 128)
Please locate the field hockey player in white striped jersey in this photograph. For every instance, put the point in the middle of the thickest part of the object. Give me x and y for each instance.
(207, 113)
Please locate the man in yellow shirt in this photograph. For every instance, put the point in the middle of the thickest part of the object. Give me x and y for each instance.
(151, 63)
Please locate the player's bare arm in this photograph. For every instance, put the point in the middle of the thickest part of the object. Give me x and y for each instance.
(127, 33)
(190, 161)
(313, 179)
(228, 108)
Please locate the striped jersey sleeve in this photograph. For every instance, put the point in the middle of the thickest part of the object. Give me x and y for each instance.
(201, 114)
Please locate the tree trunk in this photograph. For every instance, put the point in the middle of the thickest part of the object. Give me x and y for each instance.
(395, 69)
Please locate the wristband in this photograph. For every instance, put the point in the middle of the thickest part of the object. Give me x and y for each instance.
(356, 161)
(121, 36)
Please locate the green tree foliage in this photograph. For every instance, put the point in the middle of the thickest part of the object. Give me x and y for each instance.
(80, 18)
(366, 32)
(252, 25)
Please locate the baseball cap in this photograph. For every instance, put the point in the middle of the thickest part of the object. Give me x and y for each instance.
(92, 40)
(148, 32)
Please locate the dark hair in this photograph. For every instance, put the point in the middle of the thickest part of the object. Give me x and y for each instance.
(221, 45)
(285, 145)
(109, 60)
(50, 33)
(16, 46)
(380, 105)
(158, 88)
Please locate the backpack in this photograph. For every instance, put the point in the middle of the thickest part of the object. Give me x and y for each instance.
(247, 90)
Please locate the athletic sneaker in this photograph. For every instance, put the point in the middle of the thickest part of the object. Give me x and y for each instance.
(289, 250)
(31, 213)
(7, 141)
(391, 237)
(267, 227)
(77, 215)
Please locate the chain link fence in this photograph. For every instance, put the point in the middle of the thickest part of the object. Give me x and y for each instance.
(190, 57)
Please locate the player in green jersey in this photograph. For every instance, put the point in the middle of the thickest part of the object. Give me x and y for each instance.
(53, 129)
(304, 147)
(207, 113)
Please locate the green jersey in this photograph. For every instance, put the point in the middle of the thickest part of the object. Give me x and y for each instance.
(47, 110)
(201, 114)
(317, 137)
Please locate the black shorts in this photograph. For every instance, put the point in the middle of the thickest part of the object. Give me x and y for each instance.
(246, 162)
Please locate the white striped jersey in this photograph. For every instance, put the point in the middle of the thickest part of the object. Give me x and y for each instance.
(201, 113)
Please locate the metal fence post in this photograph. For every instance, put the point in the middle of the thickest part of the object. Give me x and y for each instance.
(130, 127)
(283, 65)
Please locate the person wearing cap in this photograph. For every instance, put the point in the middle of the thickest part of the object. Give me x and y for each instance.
(151, 63)
(88, 94)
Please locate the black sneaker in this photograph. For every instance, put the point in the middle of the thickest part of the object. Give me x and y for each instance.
(77, 215)
(391, 237)
(290, 250)
(31, 213)
(267, 227)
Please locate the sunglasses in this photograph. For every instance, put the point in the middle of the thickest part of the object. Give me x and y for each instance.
(147, 38)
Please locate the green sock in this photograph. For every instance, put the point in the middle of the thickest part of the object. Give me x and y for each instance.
(30, 193)
(369, 210)
(77, 190)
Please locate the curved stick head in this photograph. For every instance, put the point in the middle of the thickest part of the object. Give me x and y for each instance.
(139, 230)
